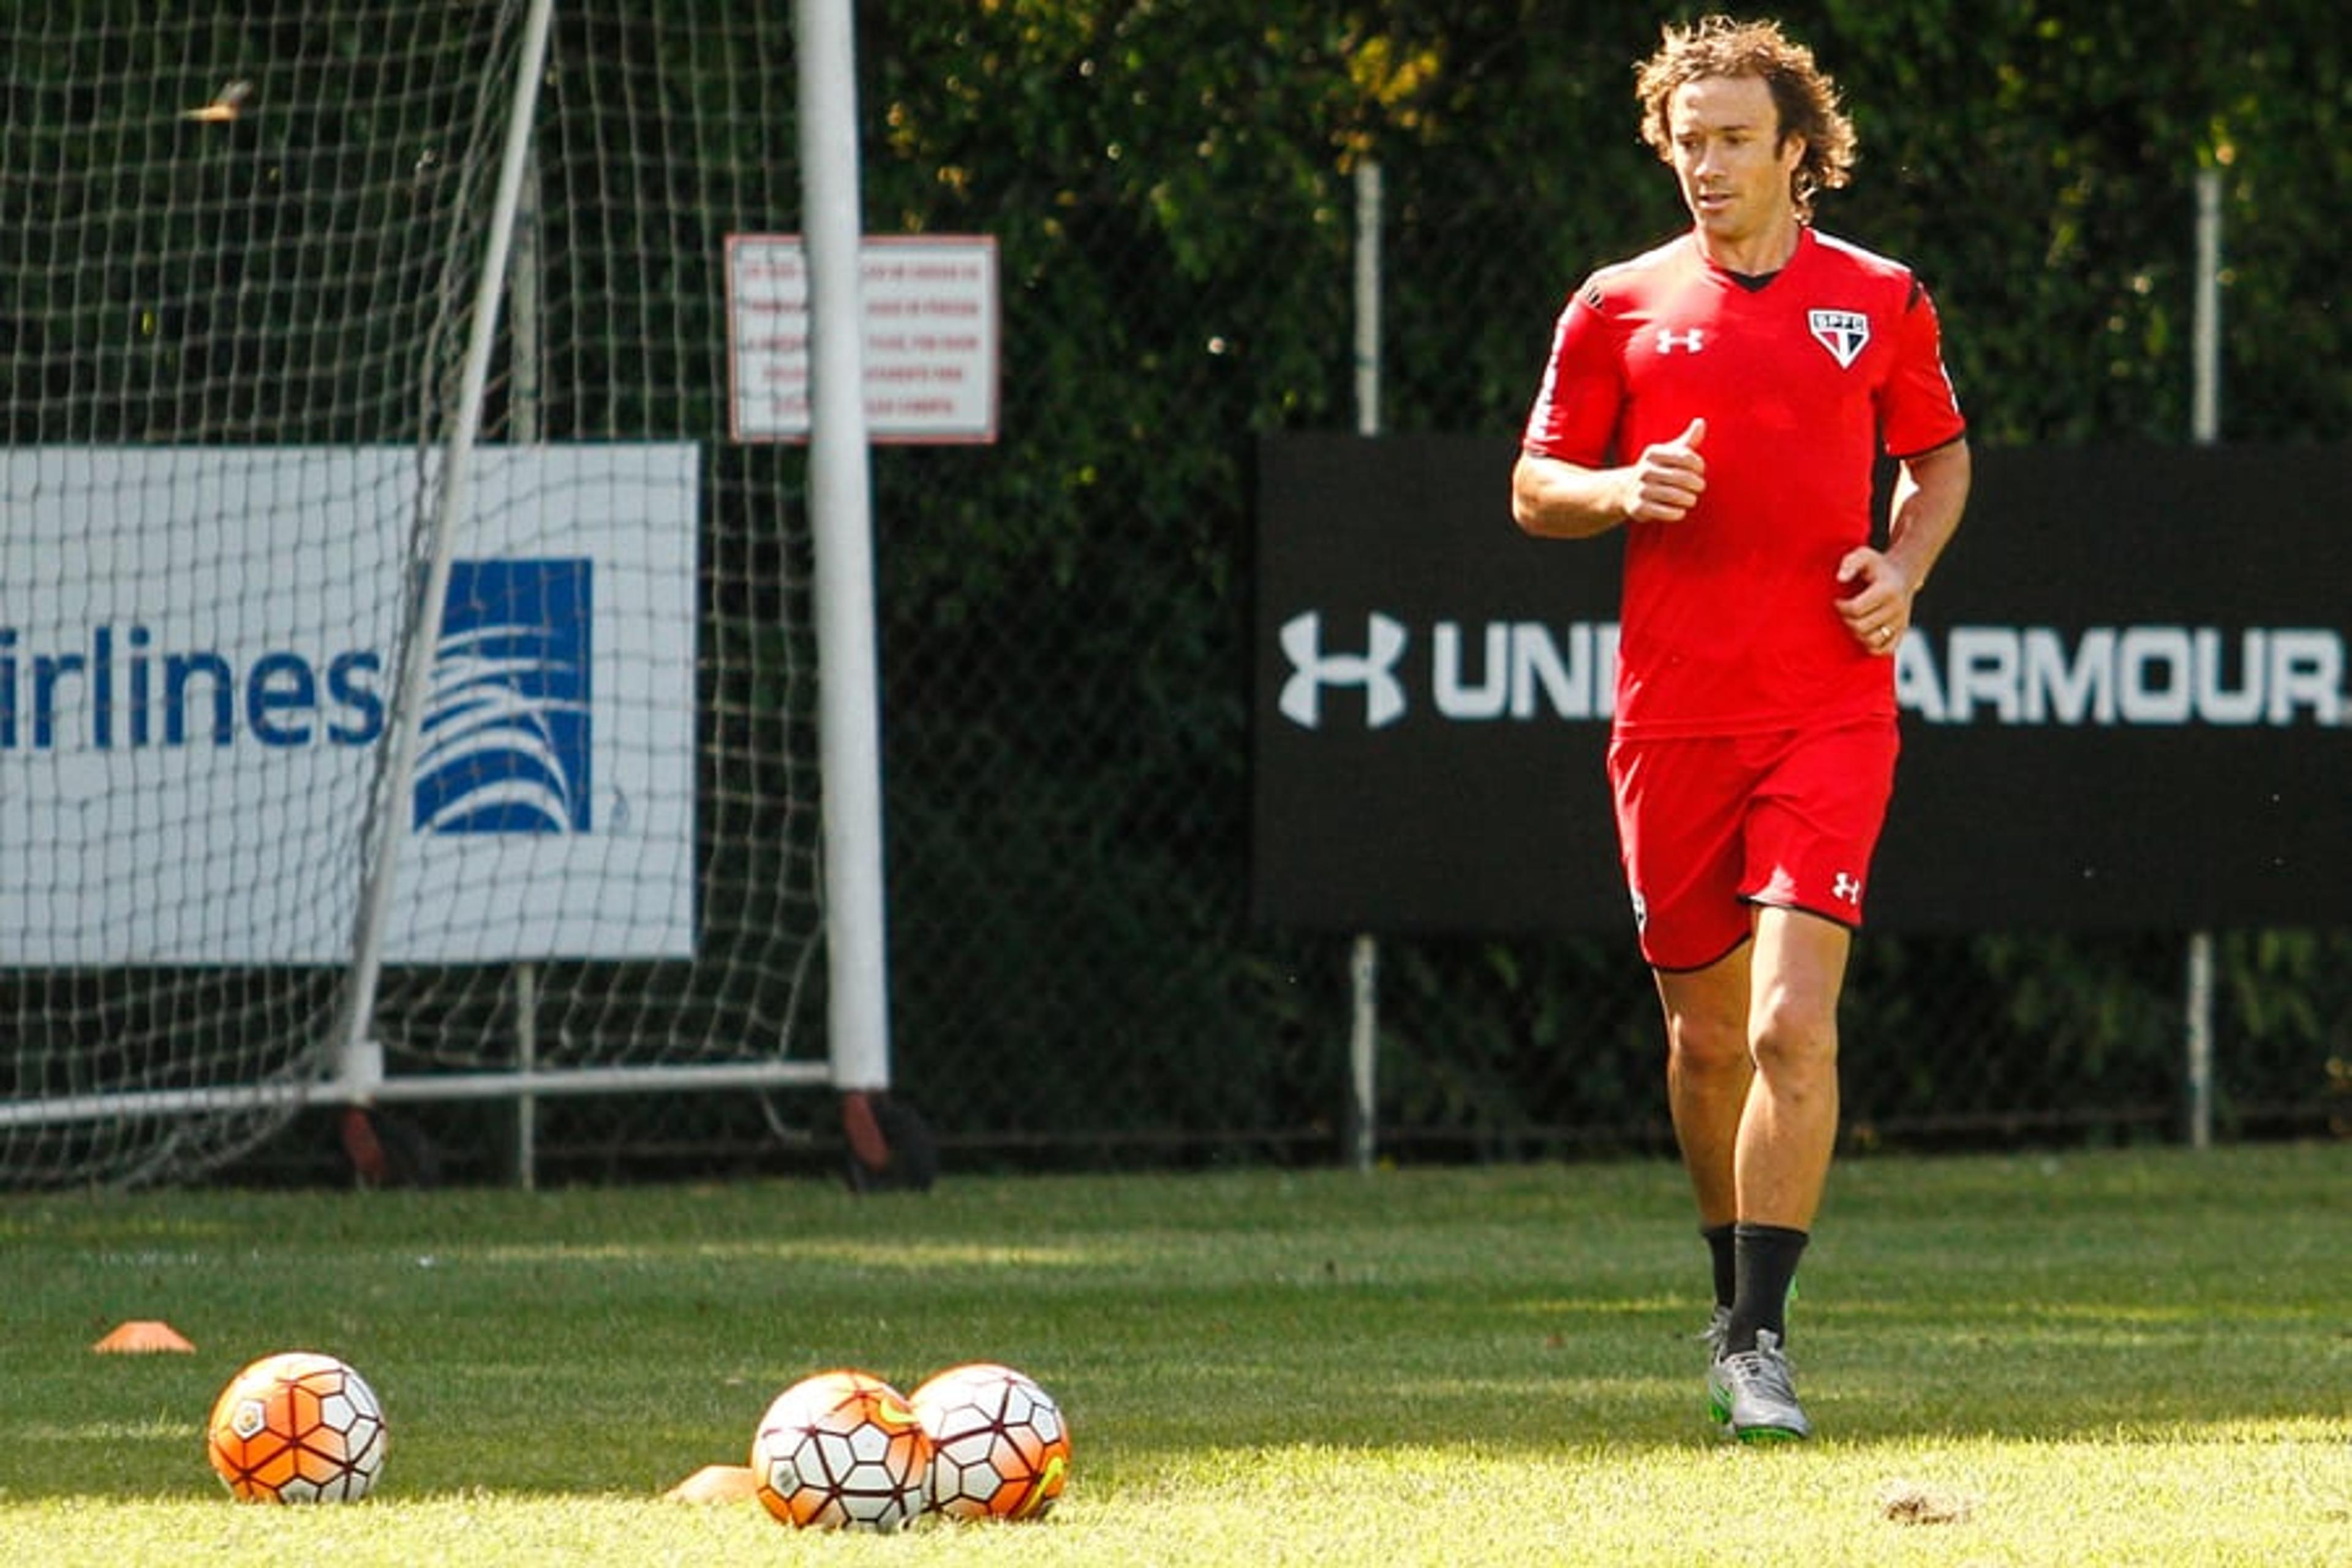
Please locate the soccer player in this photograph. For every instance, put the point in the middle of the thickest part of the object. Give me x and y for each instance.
(1724, 399)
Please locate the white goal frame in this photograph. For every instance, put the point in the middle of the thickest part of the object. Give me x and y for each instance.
(856, 1062)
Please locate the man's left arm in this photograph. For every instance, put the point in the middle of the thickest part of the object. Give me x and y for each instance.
(1930, 492)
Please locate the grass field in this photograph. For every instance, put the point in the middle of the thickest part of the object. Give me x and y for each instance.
(2140, 1358)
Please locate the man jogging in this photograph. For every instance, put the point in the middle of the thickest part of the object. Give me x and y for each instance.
(1724, 398)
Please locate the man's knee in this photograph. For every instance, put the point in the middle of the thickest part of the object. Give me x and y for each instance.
(1793, 1035)
(1703, 1044)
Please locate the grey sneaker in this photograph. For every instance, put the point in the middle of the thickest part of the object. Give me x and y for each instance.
(1719, 1392)
(1763, 1403)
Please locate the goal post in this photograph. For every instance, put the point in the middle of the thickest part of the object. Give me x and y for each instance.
(383, 718)
(841, 491)
(359, 1065)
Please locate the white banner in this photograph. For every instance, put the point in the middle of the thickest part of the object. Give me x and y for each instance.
(196, 673)
(930, 350)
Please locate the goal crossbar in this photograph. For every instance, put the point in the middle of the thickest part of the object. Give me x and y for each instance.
(135, 1105)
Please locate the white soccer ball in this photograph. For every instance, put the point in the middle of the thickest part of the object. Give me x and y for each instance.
(297, 1427)
(841, 1450)
(1000, 1448)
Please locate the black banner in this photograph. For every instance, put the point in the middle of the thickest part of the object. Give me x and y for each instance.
(2126, 700)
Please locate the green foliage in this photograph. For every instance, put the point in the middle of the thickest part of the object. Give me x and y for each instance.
(1172, 188)
(1066, 616)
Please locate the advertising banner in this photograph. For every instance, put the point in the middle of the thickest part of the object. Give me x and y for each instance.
(2126, 698)
(197, 665)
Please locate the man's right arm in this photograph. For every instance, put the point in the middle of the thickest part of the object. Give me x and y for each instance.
(1551, 498)
(1554, 499)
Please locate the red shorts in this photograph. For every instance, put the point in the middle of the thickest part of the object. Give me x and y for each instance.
(1710, 826)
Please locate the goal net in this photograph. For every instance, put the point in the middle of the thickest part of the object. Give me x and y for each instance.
(405, 692)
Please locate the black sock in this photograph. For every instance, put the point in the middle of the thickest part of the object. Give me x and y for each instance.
(1726, 1263)
(1767, 1257)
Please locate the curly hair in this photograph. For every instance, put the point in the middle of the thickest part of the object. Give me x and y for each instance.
(1805, 98)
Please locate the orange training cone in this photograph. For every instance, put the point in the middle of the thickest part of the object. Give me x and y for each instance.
(714, 1483)
(143, 1336)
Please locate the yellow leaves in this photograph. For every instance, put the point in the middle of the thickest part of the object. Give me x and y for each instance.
(1393, 74)
(1393, 79)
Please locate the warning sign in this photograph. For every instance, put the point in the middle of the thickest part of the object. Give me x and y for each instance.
(930, 345)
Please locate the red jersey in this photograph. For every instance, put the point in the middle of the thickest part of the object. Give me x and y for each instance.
(1730, 623)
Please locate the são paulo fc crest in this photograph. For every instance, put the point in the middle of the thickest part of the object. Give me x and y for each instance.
(1843, 332)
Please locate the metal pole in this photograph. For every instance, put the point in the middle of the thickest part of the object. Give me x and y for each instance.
(522, 414)
(1367, 298)
(841, 504)
(1364, 962)
(2205, 327)
(360, 1067)
(2205, 419)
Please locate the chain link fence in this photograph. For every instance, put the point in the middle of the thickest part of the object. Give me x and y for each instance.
(1158, 1018)
(1065, 633)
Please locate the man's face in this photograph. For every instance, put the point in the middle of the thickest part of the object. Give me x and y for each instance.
(1730, 157)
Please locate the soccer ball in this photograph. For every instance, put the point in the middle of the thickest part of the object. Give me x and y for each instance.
(297, 1427)
(841, 1449)
(1000, 1446)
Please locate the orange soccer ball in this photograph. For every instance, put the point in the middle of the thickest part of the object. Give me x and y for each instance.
(841, 1449)
(1000, 1448)
(297, 1427)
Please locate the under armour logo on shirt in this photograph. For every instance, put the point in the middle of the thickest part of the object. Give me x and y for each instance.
(1691, 342)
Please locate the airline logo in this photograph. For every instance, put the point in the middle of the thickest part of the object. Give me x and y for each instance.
(200, 658)
(505, 745)
(504, 742)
